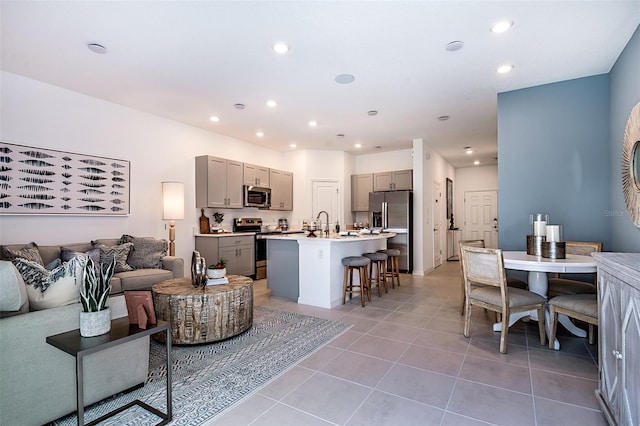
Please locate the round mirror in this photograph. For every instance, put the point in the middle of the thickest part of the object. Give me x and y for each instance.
(631, 165)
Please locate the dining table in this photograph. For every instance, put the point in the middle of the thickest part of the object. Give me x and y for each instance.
(538, 267)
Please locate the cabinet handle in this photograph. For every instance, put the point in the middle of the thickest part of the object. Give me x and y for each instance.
(617, 354)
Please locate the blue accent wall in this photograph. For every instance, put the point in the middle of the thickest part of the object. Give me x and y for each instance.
(554, 157)
(625, 93)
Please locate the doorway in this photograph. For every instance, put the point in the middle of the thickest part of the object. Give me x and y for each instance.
(481, 217)
(437, 224)
(326, 196)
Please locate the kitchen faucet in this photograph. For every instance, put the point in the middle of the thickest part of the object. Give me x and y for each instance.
(318, 218)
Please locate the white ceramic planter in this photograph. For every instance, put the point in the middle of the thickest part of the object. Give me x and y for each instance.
(216, 273)
(95, 323)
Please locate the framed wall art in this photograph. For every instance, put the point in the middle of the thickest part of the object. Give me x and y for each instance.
(45, 181)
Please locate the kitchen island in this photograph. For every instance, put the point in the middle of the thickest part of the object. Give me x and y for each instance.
(309, 270)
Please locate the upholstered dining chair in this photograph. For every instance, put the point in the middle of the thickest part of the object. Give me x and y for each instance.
(583, 307)
(511, 281)
(485, 266)
(562, 286)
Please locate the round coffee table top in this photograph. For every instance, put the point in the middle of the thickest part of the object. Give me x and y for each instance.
(183, 286)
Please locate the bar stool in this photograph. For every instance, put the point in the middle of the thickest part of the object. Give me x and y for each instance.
(380, 260)
(393, 266)
(353, 263)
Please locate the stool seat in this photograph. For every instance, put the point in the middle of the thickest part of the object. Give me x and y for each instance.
(356, 261)
(351, 264)
(390, 252)
(376, 256)
(380, 260)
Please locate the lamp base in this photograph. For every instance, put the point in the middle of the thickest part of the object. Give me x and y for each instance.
(172, 238)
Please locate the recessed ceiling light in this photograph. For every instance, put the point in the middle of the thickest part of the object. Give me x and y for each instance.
(345, 79)
(372, 112)
(443, 118)
(97, 48)
(313, 123)
(453, 46)
(469, 151)
(358, 145)
(293, 145)
(503, 69)
(214, 118)
(239, 106)
(281, 48)
(271, 103)
(475, 163)
(259, 134)
(502, 26)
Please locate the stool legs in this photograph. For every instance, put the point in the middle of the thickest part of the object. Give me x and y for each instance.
(393, 271)
(347, 285)
(381, 266)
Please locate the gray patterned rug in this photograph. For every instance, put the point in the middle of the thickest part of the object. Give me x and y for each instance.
(208, 379)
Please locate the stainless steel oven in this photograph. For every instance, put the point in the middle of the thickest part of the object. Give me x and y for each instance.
(254, 224)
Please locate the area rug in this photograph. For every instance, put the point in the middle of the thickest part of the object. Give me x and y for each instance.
(207, 379)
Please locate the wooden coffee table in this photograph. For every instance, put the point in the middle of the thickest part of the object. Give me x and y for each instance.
(203, 315)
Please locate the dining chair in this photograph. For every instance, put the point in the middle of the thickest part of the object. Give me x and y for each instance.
(511, 281)
(485, 266)
(583, 307)
(558, 286)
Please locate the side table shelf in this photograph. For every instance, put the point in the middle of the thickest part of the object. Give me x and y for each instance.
(121, 332)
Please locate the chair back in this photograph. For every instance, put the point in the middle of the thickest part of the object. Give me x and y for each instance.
(584, 248)
(483, 265)
(472, 243)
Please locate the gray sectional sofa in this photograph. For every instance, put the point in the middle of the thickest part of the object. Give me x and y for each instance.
(37, 381)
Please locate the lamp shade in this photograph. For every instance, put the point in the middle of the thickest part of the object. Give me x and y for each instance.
(172, 200)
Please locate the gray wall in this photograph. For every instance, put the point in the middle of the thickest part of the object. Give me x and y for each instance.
(625, 93)
(553, 157)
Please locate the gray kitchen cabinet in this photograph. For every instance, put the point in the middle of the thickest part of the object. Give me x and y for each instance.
(619, 337)
(398, 180)
(240, 254)
(218, 182)
(361, 186)
(281, 190)
(256, 175)
(238, 250)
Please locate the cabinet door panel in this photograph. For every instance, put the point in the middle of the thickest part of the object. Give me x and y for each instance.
(609, 326)
(234, 184)
(403, 180)
(630, 368)
(216, 182)
(382, 181)
(361, 186)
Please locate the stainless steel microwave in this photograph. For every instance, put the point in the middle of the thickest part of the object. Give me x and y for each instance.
(255, 196)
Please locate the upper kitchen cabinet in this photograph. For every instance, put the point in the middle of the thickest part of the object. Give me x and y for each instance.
(218, 182)
(256, 175)
(398, 180)
(361, 186)
(281, 190)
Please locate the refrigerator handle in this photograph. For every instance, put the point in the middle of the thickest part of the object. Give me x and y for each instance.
(384, 215)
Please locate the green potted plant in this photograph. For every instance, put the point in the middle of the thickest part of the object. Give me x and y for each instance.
(218, 270)
(95, 318)
(217, 218)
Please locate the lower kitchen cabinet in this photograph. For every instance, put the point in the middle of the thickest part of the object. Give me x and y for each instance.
(619, 337)
(239, 251)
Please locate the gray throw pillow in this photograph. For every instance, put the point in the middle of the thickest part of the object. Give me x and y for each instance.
(66, 254)
(120, 253)
(147, 252)
(29, 252)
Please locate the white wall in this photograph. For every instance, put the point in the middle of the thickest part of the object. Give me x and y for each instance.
(384, 161)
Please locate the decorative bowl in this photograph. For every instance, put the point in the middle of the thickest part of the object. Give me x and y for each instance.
(216, 273)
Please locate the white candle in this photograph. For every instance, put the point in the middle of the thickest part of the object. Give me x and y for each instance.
(553, 233)
(539, 228)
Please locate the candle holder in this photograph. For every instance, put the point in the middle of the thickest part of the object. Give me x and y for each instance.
(554, 249)
(537, 233)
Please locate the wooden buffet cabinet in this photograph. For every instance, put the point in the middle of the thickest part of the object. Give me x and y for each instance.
(619, 337)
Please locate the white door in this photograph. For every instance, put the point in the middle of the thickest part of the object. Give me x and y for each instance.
(481, 217)
(437, 225)
(326, 197)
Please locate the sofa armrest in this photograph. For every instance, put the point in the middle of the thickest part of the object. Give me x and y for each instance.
(175, 265)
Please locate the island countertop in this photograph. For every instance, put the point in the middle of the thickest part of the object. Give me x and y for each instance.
(333, 238)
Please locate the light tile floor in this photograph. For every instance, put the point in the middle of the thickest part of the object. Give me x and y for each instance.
(406, 362)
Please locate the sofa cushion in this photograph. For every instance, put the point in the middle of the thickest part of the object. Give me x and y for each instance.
(29, 252)
(66, 254)
(13, 292)
(142, 279)
(120, 252)
(147, 252)
(56, 288)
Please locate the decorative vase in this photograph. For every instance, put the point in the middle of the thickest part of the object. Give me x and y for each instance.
(216, 273)
(198, 269)
(95, 323)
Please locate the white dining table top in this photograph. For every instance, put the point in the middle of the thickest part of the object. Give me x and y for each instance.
(573, 263)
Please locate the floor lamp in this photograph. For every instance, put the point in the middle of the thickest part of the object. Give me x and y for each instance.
(172, 209)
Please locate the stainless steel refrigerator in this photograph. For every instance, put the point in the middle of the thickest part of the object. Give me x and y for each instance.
(393, 211)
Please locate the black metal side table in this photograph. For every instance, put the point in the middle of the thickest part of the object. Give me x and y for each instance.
(121, 332)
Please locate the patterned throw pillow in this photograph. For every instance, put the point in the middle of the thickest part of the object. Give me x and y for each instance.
(67, 254)
(147, 252)
(121, 252)
(29, 252)
(50, 289)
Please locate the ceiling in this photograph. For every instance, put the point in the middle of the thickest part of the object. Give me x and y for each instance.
(190, 60)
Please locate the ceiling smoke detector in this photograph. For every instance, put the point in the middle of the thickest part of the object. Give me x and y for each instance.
(453, 46)
(97, 48)
(345, 79)
(239, 106)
